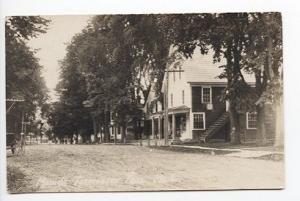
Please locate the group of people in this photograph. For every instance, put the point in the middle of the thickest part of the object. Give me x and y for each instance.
(78, 139)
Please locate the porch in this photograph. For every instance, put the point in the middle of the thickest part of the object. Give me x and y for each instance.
(178, 125)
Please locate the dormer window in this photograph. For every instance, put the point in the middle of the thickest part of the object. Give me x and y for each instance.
(206, 95)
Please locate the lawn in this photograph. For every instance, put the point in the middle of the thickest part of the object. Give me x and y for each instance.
(88, 168)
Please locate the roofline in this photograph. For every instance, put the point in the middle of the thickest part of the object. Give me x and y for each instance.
(215, 83)
(208, 83)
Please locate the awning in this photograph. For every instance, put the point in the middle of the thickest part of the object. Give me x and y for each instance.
(179, 110)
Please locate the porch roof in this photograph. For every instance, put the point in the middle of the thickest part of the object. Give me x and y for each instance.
(179, 109)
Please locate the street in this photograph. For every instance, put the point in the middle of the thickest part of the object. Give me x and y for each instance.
(88, 168)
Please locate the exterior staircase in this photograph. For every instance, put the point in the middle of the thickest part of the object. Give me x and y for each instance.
(215, 127)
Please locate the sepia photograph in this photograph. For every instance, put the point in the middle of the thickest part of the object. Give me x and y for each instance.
(144, 102)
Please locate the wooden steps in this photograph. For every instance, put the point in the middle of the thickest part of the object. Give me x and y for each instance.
(215, 127)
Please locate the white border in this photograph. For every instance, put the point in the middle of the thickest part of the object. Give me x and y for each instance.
(291, 21)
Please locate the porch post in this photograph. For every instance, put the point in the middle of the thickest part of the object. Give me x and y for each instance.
(173, 126)
(159, 128)
(227, 105)
(153, 131)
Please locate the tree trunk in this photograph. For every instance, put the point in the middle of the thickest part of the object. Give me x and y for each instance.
(115, 134)
(234, 125)
(95, 127)
(100, 131)
(233, 75)
(123, 133)
(106, 128)
(278, 141)
(261, 138)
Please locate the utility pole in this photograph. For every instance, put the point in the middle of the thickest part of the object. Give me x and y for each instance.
(166, 121)
(22, 123)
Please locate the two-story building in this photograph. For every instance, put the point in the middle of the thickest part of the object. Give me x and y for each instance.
(195, 109)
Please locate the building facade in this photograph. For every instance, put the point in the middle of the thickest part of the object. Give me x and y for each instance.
(196, 111)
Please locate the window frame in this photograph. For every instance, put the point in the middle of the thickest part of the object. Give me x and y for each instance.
(210, 95)
(247, 121)
(204, 121)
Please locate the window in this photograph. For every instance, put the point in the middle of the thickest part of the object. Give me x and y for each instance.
(251, 120)
(119, 129)
(199, 121)
(182, 96)
(174, 76)
(171, 100)
(206, 94)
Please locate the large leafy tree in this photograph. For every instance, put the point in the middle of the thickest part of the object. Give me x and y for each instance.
(263, 57)
(68, 116)
(114, 54)
(23, 71)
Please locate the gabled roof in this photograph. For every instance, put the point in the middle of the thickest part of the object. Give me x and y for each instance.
(201, 69)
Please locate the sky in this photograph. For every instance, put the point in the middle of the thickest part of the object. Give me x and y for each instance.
(52, 45)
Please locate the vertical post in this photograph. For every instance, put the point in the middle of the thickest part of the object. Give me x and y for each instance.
(173, 127)
(115, 133)
(166, 108)
(22, 123)
(159, 128)
(152, 126)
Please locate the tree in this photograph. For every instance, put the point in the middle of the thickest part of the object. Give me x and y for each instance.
(115, 51)
(23, 71)
(69, 116)
(264, 59)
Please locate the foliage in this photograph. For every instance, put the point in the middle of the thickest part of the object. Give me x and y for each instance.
(68, 115)
(23, 71)
(119, 55)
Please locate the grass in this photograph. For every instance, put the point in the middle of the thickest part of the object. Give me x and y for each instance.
(17, 182)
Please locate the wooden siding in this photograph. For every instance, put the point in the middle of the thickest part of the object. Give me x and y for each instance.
(211, 116)
(219, 107)
(270, 123)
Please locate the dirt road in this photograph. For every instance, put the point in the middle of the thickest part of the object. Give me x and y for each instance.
(82, 168)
